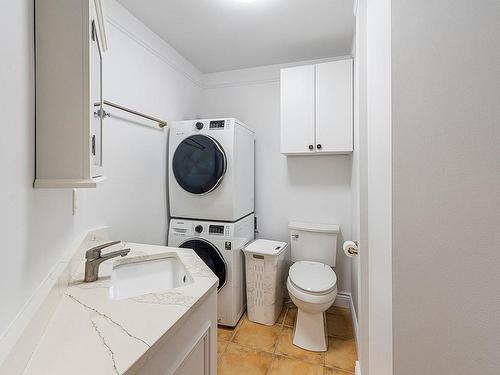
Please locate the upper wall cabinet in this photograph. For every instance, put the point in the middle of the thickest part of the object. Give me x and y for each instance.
(317, 109)
(70, 41)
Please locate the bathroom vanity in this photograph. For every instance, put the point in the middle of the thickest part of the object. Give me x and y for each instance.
(110, 327)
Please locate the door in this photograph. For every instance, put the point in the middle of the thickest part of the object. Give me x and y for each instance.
(197, 361)
(211, 256)
(297, 110)
(199, 164)
(96, 100)
(334, 106)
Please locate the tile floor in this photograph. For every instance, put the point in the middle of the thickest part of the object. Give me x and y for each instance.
(255, 349)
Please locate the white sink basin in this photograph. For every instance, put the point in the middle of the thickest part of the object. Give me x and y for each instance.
(147, 274)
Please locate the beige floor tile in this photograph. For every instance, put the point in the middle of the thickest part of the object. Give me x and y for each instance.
(341, 353)
(238, 360)
(335, 371)
(286, 347)
(290, 366)
(221, 347)
(291, 314)
(257, 336)
(339, 325)
(224, 333)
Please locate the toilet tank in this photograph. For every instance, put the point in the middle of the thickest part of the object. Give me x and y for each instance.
(313, 242)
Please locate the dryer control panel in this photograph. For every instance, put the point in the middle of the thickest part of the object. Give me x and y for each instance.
(191, 228)
(216, 229)
(217, 124)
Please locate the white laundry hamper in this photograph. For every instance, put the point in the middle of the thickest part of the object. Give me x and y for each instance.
(265, 263)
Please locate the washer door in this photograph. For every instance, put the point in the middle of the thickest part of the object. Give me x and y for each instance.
(211, 256)
(199, 164)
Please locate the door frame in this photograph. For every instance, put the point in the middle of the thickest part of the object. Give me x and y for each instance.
(373, 55)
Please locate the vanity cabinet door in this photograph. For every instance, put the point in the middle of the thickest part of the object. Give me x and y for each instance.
(197, 362)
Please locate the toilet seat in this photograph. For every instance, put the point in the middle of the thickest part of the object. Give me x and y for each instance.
(313, 278)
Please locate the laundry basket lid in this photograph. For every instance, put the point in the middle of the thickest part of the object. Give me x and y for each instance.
(266, 247)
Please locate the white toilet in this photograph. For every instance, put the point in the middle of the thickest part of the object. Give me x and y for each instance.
(311, 282)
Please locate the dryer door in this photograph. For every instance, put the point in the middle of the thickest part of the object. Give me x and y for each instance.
(199, 164)
(211, 256)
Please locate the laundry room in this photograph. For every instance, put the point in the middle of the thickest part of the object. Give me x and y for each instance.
(249, 187)
(208, 185)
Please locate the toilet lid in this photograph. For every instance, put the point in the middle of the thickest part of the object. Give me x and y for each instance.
(313, 277)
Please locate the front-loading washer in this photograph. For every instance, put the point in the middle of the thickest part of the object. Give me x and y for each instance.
(219, 245)
(211, 169)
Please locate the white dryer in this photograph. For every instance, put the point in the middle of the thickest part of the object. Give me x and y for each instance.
(211, 169)
(220, 246)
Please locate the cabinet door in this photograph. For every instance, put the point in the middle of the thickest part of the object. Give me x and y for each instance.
(96, 98)
(334, 107)
(198, 360)
(297, 110)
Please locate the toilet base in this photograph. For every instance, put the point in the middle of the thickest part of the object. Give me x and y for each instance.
(310, 331)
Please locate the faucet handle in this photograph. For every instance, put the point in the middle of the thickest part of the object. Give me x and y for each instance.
(95, 252)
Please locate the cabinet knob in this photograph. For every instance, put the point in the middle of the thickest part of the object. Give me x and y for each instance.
(311, 147)
(318, 146)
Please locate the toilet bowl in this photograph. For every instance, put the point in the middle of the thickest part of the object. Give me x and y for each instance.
(312, 287)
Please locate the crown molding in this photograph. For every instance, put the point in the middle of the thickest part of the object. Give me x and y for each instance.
(183, 70)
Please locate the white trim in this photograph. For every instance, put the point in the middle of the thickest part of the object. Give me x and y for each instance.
(357, 369)
(343, 300)
(266, 74)
(242, 83)
(101, 24)
(163, 57)
(355, 324)
(44, 183)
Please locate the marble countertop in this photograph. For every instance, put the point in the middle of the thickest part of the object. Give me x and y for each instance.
(90, 333)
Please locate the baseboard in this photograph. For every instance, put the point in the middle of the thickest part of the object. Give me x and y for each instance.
(343, 300)
(355, 323)
(357, 369)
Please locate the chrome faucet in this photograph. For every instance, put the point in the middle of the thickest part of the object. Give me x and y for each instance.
(94, 259)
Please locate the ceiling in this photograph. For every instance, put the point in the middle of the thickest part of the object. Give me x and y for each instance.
(219, 35)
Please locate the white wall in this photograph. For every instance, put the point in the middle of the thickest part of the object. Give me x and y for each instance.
(307, 188)
(36, 226)
(446, 186)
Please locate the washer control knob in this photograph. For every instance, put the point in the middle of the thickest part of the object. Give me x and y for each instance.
(198, 229)
(199, 125)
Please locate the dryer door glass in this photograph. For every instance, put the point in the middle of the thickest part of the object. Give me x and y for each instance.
(199, 164)
(211, 256)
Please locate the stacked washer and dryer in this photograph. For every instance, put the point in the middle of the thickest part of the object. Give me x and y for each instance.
(211, 195)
